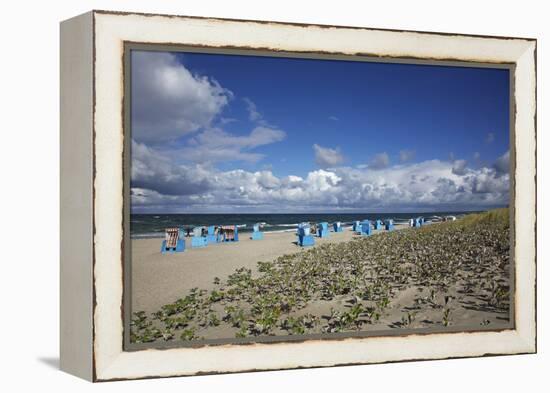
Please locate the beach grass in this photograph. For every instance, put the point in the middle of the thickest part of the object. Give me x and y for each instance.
(497, 217)
(446, 274)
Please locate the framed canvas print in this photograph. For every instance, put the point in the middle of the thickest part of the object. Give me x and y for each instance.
(246, 195)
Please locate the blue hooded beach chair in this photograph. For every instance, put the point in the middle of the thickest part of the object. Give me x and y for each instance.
(323, 229)
(377, 224)
(256, 233)
(338, 227)
(198, 240)
(356, 226)
(388, 224)
(305, 238)
(174, 241)
(212, 236)
(365, 228)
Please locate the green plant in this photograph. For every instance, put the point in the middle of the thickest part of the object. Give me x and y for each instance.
(243, 332)
(446, 317)
(216, 296)
(188, 334)
(214, 320)
(408, 319)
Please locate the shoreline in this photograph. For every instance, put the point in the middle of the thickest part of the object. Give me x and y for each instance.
(248, 231)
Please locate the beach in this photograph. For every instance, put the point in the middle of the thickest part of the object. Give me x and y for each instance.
(451, 274)
(159, 279)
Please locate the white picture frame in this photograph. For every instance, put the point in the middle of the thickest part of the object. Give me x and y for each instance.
(92, 193)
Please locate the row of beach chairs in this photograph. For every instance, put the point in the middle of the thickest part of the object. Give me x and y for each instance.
(416, 222)
(365, 227)
(306, 231)
(174, 240)
(202, 236)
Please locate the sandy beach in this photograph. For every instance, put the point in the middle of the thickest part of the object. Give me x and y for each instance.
(453, 274)
(159, 279)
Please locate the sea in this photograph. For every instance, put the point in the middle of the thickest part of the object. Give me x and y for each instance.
(153, 225)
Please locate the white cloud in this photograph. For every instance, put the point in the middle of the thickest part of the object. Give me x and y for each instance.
(267, 180)
(327, 157)
(169, 101)
(227, 120)
(333, 118)
(406, 155)
(429, 185)
(153, 170)
(490, 137)
(253, 114)
(380, 161)
(502, 164)
(459, 167)
(215, 145)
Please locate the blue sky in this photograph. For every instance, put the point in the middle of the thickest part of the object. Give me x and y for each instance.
(433, 110)
(254, 130)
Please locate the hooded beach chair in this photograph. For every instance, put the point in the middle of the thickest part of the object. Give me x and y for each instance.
(377, 224)
(198, 240)
(338, 227)
(305, 238)
(256, 234)
(173, 241)
(323, 229)
(356, 226)
(417, 223)
(212, 236)
(230, 233)
(388, 224)
(304, 228)
(365, 228)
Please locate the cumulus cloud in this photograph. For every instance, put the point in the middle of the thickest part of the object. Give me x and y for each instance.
(502, 164)
(406, 155)
(459, 167)
(380, 161)
(168, 100)
(327, 157)
(152, 170)
(333, 118)
(431, 185)
(490, 137)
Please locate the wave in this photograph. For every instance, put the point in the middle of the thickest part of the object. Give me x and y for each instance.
(280, 231)
(150, 235)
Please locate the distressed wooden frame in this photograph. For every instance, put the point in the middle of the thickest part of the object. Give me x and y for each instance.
(92, 193)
